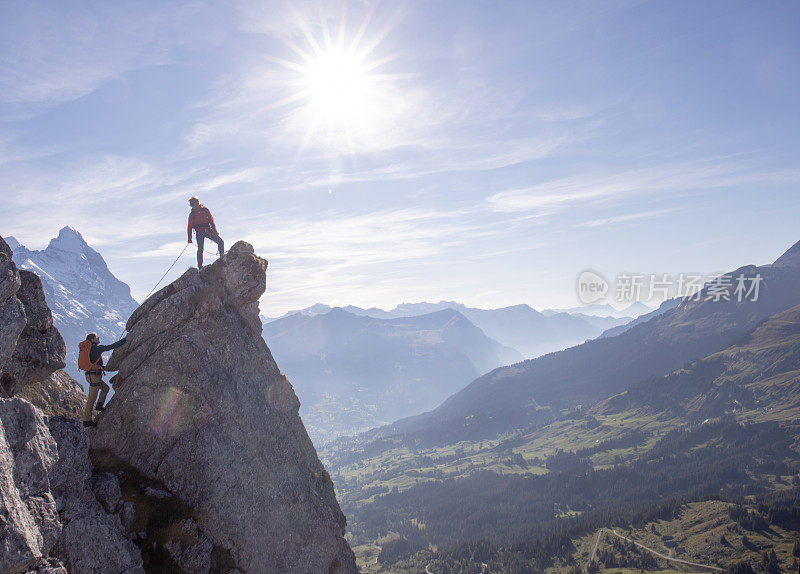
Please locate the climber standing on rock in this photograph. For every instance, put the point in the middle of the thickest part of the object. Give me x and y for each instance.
(90, 359)
(202, 222)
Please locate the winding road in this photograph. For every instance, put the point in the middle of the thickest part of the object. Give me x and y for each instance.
(643, 547)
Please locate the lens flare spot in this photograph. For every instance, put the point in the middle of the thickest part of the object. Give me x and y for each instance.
(171, 412)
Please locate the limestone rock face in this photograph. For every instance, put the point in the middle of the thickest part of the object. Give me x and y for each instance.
(93, 539)
(40, 349)
(45, 471)
(30, 523)
(201, 406)
(12, 312)
(37, 349)
(31, 348)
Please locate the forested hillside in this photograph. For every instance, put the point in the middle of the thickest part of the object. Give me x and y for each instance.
(725, 428)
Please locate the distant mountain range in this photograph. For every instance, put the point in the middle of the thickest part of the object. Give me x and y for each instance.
(635, 309)
(82, 293)
(517, 396)
(354, 372)
(521, 327)
(663, 308)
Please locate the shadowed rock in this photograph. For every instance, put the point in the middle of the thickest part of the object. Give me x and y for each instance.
(58, 394)
(83, 294)
(93, 539)
(201, 406)
(29, 524)
(31, 348)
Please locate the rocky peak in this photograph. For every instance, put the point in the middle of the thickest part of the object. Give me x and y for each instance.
(791, 258)
(69, 240)
(201, 407)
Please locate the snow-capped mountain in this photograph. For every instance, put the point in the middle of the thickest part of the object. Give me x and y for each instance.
(82, 293)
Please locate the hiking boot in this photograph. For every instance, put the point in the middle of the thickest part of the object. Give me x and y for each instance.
(88, 424)
(100, 408)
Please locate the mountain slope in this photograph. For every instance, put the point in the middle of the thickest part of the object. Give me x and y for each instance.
(759, 374)
(511, 397)
(663, 308)
(354, 372)
(723, 427)
(82, 293)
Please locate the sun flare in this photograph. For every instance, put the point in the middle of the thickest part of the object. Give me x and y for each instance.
(339, 87)
(337, 94)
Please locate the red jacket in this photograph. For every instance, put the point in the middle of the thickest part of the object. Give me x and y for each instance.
(200, 217)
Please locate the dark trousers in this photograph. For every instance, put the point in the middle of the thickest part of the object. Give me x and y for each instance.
(207, 233)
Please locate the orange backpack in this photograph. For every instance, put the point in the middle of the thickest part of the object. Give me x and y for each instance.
(84, 362)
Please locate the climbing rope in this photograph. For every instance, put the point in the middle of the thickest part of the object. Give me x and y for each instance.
(167, 271)
(213, 252)
(157, 284)
(185, 247)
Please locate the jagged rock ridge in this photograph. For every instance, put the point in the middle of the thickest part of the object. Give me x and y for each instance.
(202, 407)
(30, 524)
(30, 347)
(44, 464)
(81, 291)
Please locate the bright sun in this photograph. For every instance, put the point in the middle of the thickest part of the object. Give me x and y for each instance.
(336, 94)
(339, 87)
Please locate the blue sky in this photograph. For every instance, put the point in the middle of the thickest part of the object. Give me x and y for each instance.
(377, 153)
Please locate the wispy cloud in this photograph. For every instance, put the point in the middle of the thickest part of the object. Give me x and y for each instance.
(625, 218)
(379, 237)
(667, 179)
(52, 53)
(87, 180)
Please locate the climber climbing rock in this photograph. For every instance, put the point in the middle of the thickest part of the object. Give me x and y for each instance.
(90, 359)
(202, 222)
